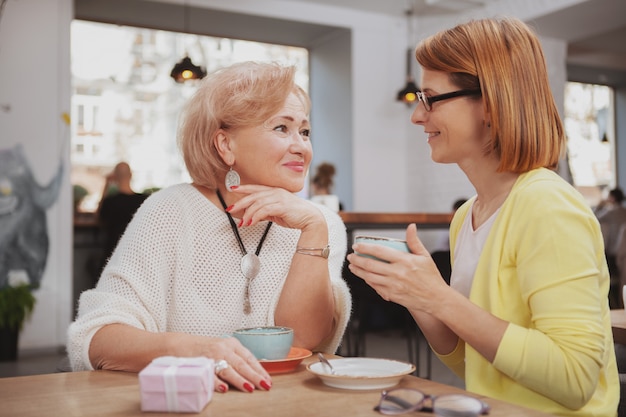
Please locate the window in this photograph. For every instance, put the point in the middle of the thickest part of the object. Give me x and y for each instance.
(590, 129)
(125, 105)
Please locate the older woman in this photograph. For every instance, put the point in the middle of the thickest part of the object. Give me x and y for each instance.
(526, 318)
(236, 248)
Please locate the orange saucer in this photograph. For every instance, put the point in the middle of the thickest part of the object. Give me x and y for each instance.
(291, 362)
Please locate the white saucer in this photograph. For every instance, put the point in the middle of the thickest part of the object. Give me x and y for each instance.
(361, 373)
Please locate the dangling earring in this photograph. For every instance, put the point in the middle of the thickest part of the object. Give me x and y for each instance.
(232, 178)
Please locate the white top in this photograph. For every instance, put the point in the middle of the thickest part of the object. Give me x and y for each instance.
(329, 200)
(177, 269)
(469, 246)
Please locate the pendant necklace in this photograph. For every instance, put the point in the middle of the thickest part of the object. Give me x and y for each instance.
(250, 263)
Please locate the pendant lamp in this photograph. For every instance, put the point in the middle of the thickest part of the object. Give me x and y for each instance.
(185, 70)
(408, 94)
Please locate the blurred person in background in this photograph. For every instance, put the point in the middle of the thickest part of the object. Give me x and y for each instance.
(117, 206)
(322, 187)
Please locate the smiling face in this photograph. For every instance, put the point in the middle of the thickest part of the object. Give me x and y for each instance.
(276, 153)
(457, 127)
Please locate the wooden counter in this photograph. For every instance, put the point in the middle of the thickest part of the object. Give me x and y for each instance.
(356, 220)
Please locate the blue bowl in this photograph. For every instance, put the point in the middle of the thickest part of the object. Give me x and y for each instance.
(397, 244)
(266, 342)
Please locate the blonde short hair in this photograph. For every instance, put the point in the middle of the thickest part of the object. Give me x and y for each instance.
(242, 95)
(504, 58)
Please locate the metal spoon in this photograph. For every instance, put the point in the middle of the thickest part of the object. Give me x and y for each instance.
(326, 363)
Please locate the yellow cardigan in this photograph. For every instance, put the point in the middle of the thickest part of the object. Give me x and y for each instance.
(543, 269)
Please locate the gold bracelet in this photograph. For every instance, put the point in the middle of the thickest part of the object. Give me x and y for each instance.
(321, 252)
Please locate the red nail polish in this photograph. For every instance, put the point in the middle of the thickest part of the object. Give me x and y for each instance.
(248, 387)
(222, 388)
(229, 208)
(234, 187)
(240, 223)
(249, 222)
(266, 385)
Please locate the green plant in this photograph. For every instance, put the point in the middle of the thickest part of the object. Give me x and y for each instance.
(16, 304)
(79, 192)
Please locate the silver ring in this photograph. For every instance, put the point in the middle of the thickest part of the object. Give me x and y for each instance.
(220, 366)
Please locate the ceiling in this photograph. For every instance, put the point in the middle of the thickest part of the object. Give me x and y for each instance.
(594, 29)
(400, 7)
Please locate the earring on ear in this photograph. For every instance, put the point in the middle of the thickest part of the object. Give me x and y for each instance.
(232, 178)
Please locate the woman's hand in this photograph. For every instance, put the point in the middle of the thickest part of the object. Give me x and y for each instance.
(261, 203)
(413, 281)
(240, 369)
(307, 291)
(125, 348)
(236, 366)
(410, 279)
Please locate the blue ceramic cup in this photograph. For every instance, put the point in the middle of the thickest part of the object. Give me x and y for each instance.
(398, 244)
(266, 342)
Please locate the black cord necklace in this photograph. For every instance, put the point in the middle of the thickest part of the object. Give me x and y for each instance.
(250, 263)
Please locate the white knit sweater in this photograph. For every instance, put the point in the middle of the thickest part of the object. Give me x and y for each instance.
(177, 269)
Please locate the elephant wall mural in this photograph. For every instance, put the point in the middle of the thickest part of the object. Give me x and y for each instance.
(24, 240)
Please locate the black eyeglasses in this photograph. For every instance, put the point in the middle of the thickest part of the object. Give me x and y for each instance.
(406, 400)
(428, 101)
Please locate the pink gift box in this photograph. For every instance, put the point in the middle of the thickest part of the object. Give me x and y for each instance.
(180, 385)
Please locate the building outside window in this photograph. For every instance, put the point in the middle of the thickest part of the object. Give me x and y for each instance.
(590, 128)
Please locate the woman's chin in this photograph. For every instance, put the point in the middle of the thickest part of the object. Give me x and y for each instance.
(435, 156)
(295, 189)
(440, 159)
(291, 186)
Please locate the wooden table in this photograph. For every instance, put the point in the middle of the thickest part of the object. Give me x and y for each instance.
(299, 393)
(618, 324)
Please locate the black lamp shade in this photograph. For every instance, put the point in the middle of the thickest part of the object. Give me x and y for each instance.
(185, 70)
(408, 94)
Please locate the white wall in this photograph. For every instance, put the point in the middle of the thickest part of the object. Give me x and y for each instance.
(35, 85)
